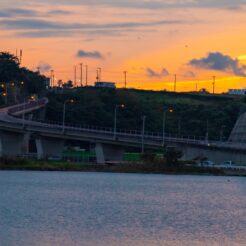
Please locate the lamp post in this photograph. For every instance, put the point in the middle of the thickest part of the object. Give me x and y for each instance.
(115, 117)
(143, 132)
(164, 123)
(64, 113)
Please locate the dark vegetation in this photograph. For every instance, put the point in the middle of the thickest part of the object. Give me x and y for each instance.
(9, 163)
(19, 80)
(192, 114)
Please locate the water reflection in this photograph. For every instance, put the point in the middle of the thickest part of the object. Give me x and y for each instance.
(49, 209)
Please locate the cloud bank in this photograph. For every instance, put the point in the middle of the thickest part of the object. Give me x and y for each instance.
(153, 74)
(89, 54)
(220, 62)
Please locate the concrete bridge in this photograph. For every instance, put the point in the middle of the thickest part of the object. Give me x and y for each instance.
(15, 132)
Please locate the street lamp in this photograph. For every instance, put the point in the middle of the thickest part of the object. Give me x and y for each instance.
(143, 131)
(64, 113)
(5, 93)
(115, 117)
(166, 110)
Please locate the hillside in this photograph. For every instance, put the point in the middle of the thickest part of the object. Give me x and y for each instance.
(191, 113)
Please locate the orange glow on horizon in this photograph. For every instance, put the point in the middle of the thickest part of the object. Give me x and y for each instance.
(132, 40)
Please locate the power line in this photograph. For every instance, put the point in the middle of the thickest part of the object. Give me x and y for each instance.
(175, 82)
(86, 75)
(81, 74)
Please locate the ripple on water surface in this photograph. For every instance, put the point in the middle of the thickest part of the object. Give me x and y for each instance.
(92, 209)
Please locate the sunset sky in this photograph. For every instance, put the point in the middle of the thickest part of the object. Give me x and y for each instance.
(151, 40)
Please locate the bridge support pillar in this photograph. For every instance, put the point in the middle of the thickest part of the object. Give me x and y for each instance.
(11, 143)
(25, 143)
(107, 153)
(49, 147)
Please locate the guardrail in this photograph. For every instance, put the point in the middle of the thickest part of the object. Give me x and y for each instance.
(78, 127)
(124, 134)
(27, 106)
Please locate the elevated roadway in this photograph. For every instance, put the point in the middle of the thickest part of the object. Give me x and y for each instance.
(50, 138)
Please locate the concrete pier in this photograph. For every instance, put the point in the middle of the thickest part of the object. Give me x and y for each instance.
(106, 153)
(49, 147)
(216, 155)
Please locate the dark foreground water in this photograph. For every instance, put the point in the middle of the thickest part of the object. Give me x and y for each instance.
(92, 209)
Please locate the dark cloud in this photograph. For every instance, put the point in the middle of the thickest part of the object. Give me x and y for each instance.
(22, 12)
(38, 28)
(17, 12)
(43, 24)
(44, 67)
(190, 74)
(59, 12)
(89, 54)
(220, 62)
(71, 33)
(29, 24)
(45, 34)
(153, 74)
(154, 4)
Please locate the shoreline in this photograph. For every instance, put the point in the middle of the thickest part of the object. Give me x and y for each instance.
(142, 168)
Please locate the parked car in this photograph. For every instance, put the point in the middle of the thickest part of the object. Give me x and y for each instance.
(207, 163)
(228, 163)
(54, 158)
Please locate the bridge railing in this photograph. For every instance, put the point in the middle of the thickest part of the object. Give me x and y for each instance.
(27, 105)
(122, 132)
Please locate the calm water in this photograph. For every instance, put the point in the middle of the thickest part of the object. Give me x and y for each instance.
(92, 209)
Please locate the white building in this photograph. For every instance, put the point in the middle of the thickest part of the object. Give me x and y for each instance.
(237, 91)
(105, 85)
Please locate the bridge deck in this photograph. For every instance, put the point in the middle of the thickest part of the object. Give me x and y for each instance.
(128, 138)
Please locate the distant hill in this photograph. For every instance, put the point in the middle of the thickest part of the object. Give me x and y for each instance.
(191, 113)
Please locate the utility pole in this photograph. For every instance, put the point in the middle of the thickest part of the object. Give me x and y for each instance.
(86, 75)
(214, 78)
(99, 74)
(125, 72)
(81, 74)
(75, 76)
(20, 56)
(97, 77)
(115, 117)
(164, 126)
(51, 78)
(175, 82)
